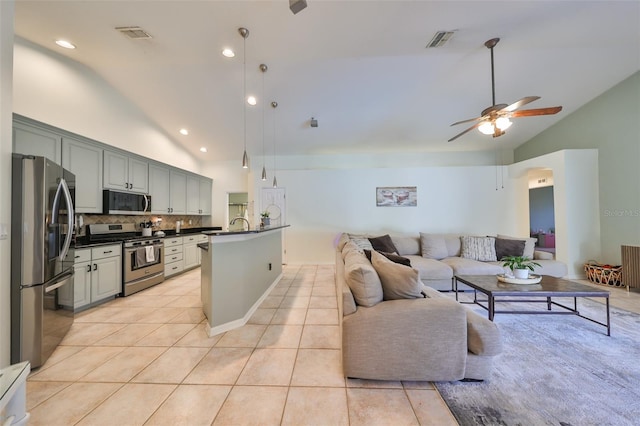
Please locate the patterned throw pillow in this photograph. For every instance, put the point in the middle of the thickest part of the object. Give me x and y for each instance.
(479, 248)
(361, 241)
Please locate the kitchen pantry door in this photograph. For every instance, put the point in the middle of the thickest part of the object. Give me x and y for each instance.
(274, 201)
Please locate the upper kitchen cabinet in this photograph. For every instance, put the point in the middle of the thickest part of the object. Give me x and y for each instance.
(32, 140)
(167, 188)
(84, 160)
(125, 173)
(198, 195)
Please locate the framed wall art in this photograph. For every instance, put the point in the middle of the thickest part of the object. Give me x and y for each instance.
(396, 196)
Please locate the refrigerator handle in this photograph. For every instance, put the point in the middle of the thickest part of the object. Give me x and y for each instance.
(57, 282)
(70, 218)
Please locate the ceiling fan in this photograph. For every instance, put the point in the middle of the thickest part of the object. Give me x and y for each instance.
(494, 120)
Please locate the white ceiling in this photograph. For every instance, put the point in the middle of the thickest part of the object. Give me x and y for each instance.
(359, 67)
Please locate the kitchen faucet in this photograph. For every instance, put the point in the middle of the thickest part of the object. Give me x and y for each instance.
(240, 218)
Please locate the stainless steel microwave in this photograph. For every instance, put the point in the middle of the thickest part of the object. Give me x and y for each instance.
(115, 202)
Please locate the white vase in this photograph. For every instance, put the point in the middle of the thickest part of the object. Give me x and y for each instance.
(521, 273)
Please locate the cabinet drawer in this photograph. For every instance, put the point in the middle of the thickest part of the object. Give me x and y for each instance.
(175, 241)
(173, 268)
(202, 238)
(169, 258)
(105, 251)
(190, 239)
(82, 256)
(172, 250)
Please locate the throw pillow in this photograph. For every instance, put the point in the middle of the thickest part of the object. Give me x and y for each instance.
(398, 281)
(383, 243)
(479, 248)
(433, 246)
(392, 257)
(362, 241)
(529, 245)
(509, 248)
(362, 279)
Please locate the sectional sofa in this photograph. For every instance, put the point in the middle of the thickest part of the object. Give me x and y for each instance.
(396, 328)
(438, 257)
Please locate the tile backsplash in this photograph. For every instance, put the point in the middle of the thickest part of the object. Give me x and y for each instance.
(167, 222)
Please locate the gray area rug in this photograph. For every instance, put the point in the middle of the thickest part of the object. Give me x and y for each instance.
(556, 370)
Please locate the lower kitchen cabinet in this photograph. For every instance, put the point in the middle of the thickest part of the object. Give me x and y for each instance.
(182, 253)
(98, 274)
(173, 256)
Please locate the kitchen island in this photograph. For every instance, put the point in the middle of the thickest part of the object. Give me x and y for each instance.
(238, 270)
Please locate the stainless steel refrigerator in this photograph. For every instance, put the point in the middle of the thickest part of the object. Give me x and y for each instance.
(42, 256)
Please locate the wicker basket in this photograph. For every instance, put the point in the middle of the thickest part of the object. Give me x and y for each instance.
(604, 274)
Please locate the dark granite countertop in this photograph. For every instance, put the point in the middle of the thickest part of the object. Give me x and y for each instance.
(250, 231)
(83, 241)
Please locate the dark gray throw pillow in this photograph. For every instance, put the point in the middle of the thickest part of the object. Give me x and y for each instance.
(509, 248)
(392, 257)
(383, 243)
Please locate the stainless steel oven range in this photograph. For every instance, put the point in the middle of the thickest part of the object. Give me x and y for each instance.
(142, 257)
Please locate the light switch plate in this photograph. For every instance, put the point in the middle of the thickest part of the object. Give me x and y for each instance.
(4, 233)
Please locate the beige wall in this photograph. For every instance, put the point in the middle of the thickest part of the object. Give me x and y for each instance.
(611, 124)
(6, 108)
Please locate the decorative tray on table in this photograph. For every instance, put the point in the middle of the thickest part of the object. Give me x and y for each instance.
(533, 279)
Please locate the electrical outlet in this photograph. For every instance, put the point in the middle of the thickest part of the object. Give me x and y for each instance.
(4, 234)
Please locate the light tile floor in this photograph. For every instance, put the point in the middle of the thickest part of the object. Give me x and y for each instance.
(146, 359)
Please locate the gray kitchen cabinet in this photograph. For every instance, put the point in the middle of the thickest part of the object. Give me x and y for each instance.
(193, 194)
(98, 274)
(198, 195)
(190, 251)
(206, 186)
(32, 140)
(159, 178)
(125, 173)
(178, 192)
(167, 188)
(85, 162)
(173, 256)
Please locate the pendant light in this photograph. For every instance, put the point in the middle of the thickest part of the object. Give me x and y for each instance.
(244, 33)
(274, 105)
(263, 68)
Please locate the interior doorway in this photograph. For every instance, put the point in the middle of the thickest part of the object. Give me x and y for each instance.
(542, 209)
(237, 206)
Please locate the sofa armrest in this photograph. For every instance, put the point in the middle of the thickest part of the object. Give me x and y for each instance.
(395, 340)
(483, 336)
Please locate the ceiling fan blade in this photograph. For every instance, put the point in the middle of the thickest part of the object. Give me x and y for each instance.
(469, 120)
(533, 112)
(466, 131)
(522, 102)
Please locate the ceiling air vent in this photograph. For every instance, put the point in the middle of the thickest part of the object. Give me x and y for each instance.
(440, 38)
(134, 32)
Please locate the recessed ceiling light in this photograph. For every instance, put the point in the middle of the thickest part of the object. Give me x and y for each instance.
(65, 44)
(184, 132)
(251, 100)
(228, 53)
(203, 149)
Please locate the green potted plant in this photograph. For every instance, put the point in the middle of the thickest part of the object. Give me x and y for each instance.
(519, 265)
(264, 218)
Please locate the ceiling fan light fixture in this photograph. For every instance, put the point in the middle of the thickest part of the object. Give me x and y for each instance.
(486, 128)
(503, 123)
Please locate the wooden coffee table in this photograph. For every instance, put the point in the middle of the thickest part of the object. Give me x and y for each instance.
(542, 292)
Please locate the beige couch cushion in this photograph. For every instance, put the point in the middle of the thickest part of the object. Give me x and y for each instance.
(362, 279)
(406, 245)
(433, 246)
(431, 269)
(398, 281)
(463, 266)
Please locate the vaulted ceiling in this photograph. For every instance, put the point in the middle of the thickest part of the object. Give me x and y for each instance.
(361, 68)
